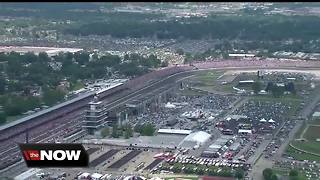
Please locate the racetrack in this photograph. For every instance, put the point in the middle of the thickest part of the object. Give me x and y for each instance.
(230, 66)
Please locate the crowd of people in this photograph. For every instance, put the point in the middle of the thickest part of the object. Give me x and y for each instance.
(263, 117)
(208, 106)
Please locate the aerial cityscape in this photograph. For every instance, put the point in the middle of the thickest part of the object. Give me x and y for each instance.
(162, 91)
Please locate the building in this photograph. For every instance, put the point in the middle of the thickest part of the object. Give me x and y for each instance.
(96, 117)
(241, 55)
(174, 131)
(171, 122)
(316, 114)
(246, 82)
(212, 151)
(244, 132)
(195, 140)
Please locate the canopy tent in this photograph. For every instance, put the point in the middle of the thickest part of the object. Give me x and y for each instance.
(169, 105)
(271, 121)
(263, 120)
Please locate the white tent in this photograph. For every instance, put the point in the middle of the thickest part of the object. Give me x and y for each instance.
(96, 176)
(169, 105)
(197, 138)
(246, 131)
(263, 120)
(211, 118)
(271, 121)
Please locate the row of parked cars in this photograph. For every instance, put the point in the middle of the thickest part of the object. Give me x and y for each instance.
(278, 140)
(252, 147)
(206, 161)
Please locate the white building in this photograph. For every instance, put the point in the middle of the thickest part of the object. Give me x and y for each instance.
(195, 140)
(174, 131)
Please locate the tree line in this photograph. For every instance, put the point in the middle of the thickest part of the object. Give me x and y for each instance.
(24, 73)
(270, 174)
(244, 27)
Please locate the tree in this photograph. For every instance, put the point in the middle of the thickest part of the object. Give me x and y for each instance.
(296, 178)
(138, 128)
(290, 87)
(176, 168)
(267, 173)
(180, 51)
(256, 87)
(3, 117)
(277, 91)
(115, 133)
(269, 86)
(2, 85)
(128, 131)
(200, 171)
(43, 57)
(164, 63)
(50, 97)
(105, 132)
(294, 175)
(81, 57)
(293, 172)
(148, 130)
(274, 177)
(239, 174)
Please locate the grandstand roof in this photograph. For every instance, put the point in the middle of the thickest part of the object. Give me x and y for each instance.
(109, 87)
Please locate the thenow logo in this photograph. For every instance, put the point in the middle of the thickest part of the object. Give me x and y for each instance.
(57, 155)
(54, 155)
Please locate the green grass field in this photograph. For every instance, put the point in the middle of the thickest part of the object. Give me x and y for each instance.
(189, 92)
(209, 77)
(208, 81)
(315, 121)
(310, 145)
(301, 156)
(77, 86)
(312, 134)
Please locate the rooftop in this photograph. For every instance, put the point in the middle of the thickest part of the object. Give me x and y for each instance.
(174, 131)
